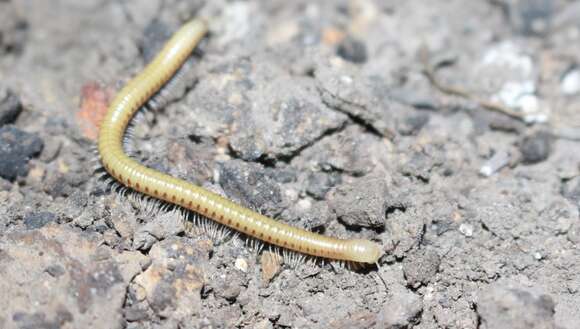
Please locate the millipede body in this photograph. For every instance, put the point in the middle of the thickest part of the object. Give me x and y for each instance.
(179, 192)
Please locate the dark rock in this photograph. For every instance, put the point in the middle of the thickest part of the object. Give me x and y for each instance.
(571, 189)
(16, 149)
(485, 120)
(282, 175)
(40, 320)
(415, 98)
(154, 37)
(420, 267)
(137, 313)
(249, 184)
(412, 124)
(248, 146)
(13, 29)
(507, 306)
(38, 219)
(10, 106)
(536, 148)
(352, 50)
(55, 270)
(530, 16)
(319, 183)
(51, 150)
(57, 183)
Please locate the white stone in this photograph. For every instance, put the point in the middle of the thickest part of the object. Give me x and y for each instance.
(241, 264)
(466, 229)
(570, 84)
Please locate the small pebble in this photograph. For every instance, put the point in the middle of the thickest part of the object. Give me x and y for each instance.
(530, 17)
(55, 270)
(241, 264)
(10, 106)
(16, 149)
(318, 184)
(270, 266)
(38, 219)
(536, 148)
(573, 234)
(466, 229)
(571, 189)
(499, 160)
(412, 124)
(570, 84)
(352, 50)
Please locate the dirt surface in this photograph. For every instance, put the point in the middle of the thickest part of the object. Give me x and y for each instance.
(342, 117)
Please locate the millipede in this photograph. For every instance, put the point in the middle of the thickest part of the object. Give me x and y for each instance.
(131, 174)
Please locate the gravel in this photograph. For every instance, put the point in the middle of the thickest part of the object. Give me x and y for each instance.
(16, 149)
(320, 115)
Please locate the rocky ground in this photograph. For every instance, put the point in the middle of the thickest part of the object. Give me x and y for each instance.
(448, 131)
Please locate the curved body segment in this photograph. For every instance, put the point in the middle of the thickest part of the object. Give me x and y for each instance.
(162, 186)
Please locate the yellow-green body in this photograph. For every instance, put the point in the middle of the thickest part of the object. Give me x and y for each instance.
(162, 186)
